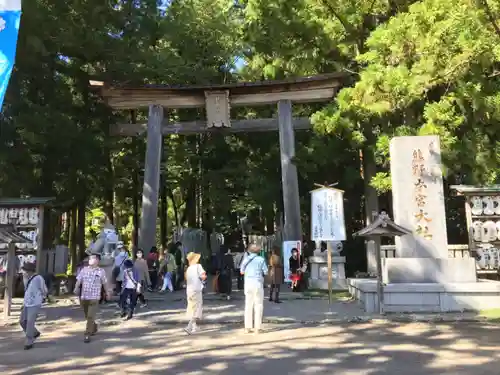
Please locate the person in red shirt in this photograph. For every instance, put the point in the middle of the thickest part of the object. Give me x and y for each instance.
(153, 268)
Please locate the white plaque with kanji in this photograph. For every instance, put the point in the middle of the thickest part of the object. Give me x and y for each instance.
(327, 215)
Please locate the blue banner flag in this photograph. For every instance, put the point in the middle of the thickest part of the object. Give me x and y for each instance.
(10, 17)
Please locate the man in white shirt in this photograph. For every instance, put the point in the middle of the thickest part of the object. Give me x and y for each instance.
(34, 294)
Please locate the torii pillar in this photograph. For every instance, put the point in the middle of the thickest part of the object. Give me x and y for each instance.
(151, 187)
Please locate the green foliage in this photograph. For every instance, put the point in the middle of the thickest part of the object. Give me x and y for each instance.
(416, 67)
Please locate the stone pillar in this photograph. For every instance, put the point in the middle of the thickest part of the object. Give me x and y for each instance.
(150, 190)
(418, 198)
(418, 204)
(292, 226)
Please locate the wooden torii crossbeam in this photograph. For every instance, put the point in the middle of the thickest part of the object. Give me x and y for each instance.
(218, 101)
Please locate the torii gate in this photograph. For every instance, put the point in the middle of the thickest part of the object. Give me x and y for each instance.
(217, 101)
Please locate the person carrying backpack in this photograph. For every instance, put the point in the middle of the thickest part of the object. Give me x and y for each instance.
(34, 294)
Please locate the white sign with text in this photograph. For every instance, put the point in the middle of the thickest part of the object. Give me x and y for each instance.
(327, 215)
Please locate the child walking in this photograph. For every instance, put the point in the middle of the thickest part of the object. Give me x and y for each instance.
(130, 288)
(195, 278)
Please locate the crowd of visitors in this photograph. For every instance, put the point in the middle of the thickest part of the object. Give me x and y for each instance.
(164, 272)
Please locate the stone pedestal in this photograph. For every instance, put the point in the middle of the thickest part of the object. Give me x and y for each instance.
(319, 273)
(107, 263)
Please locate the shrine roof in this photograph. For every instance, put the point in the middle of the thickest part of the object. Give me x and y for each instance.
(477, 190)
(124, 95)
(18, 202)
(382, 226)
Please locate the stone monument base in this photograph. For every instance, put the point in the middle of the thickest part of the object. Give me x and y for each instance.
(427, 297)
(428, 270)
(319, 273)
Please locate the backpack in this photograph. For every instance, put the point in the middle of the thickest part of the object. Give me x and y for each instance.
(116, 270)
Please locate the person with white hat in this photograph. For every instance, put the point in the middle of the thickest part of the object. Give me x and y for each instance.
(254, 269)
(34, 294)
(195, 278)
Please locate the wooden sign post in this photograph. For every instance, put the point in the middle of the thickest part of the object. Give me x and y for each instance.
(327, 221)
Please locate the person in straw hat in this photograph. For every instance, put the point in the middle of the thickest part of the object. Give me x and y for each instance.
(195, 278)
(254, 269)
(35, 291)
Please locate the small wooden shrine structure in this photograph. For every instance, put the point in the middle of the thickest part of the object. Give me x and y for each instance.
(217, 100)
(28, 217)
(9, 236)
(382, 226)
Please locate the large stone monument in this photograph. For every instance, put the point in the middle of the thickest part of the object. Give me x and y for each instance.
(418, 204)
(421, 277)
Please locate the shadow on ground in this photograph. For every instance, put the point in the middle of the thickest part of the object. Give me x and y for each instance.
(361, 349)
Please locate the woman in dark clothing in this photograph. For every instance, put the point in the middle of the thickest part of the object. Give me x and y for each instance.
(275, 275)
(296, 263)
(226, 274)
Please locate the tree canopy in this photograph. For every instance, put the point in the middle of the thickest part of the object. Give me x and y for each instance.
(415, 67)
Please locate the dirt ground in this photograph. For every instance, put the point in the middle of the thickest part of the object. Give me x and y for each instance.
(142, 347)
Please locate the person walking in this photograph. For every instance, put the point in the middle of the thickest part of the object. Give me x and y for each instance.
(226, 274)
(178, 254)
(195, 278)
(141, 267)
(131, 288)
(89, 284)
(275, 275)
(35, 290)
(153, 268)
(238, 261)
(254, 269)
(168, 268)
(118, 266)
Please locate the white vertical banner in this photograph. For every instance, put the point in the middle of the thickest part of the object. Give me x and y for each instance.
(327, 215)
(287, 253)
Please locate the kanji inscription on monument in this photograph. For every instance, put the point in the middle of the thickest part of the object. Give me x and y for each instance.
(417, 189)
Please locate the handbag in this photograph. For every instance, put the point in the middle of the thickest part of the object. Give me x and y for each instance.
(138, 286)
(116, 270)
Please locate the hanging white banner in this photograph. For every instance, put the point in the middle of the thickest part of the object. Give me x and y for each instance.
(327, 215)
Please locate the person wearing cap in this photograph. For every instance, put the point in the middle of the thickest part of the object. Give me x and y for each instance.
(254, 269)
(195, 278)
(118, 268)
(34, 294)
(89, 284)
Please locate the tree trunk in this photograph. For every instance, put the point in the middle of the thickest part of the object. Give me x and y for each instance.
(174, 207)
(109, 188)
(72, 238)
(369, 170)
(135, 209)
(80, 235)
(163, 212)
(65, 232)
(269, 217)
